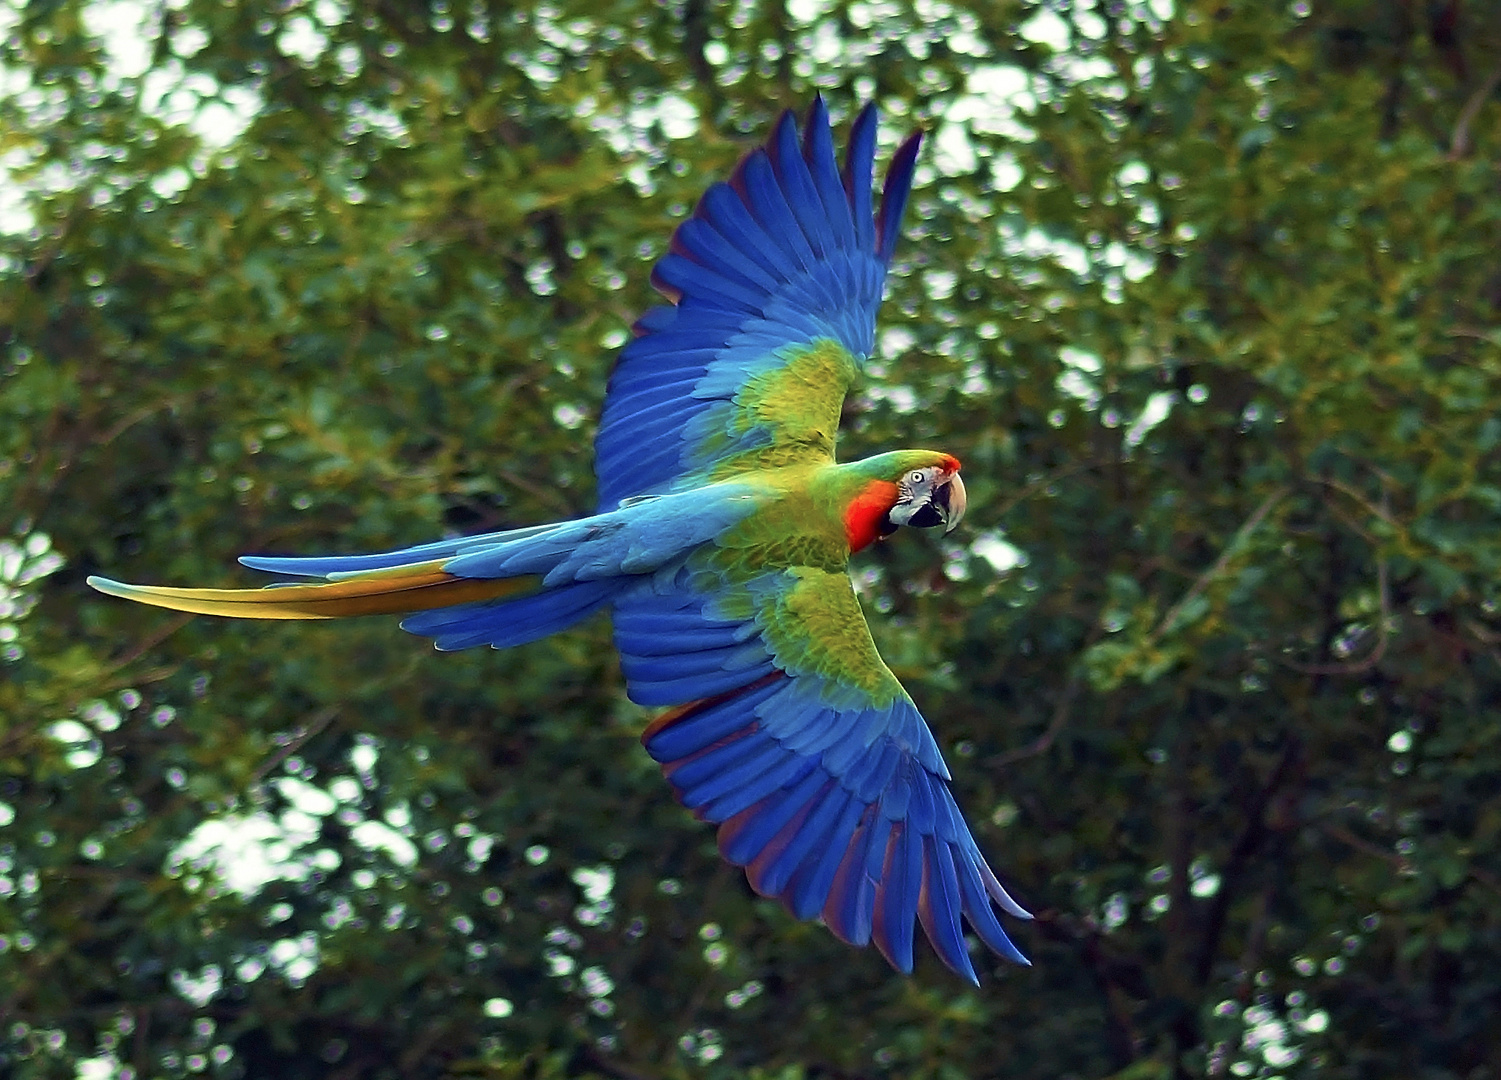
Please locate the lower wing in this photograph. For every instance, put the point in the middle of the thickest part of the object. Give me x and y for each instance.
(792, 736)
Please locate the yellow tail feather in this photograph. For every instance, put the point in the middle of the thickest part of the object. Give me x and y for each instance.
(396, 591)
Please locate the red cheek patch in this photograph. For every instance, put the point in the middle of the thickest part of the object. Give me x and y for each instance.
(862, 518)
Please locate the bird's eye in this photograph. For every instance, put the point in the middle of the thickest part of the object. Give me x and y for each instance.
(916, 477)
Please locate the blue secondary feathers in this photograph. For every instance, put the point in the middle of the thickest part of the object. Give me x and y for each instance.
(903, 872)
(746, 839)
(789, 244)
(808, 889)
(850, 906)
(670, 691)
(775, 864)
(818, 151)
(743, 792)
(709, 725)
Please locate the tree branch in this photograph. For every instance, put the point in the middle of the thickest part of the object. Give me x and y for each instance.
(1246, 845)
(1383, 632)
(1459, 145)
(1205, 579)
(320, 720)
(1055, 727)
(1042, 483)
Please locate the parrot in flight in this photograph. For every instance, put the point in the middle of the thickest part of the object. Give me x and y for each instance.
(721, 545)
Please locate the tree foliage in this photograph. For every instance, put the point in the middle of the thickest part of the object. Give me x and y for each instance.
(1205, 298)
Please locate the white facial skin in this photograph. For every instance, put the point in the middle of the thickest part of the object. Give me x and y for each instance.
(929, 497)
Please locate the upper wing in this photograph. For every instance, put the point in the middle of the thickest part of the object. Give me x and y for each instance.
(775, 280)
(795, 738)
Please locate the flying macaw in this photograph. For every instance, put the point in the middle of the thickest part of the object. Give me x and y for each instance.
(721, 544)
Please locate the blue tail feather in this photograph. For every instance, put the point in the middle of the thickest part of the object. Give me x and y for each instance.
(333, 566)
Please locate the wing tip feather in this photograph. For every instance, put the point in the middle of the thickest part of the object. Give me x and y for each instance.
(894, 192)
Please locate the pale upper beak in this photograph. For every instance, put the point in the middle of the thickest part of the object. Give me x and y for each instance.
(951, 501)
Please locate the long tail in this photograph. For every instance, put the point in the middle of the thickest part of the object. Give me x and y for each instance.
(499, 599)
(400, 590)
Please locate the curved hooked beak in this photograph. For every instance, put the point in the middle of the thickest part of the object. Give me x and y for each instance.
(951, 501)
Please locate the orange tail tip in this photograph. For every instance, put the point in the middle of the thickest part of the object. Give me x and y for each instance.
(386, 592)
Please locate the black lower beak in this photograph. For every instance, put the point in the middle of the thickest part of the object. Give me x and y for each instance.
(929, 516)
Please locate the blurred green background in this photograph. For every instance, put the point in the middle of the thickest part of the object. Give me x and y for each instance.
(1204, 294)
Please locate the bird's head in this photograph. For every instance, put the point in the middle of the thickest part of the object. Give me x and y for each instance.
(929, 493)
